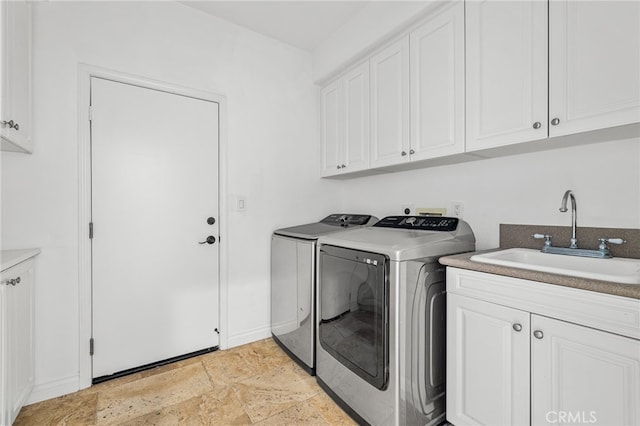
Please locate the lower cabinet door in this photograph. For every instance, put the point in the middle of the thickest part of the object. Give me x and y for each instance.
(583, 376)
(487, 363)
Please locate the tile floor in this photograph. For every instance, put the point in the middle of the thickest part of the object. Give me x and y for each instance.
(251, 384)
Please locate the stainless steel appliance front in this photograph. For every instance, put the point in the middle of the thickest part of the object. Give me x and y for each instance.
(381, 297)
(293, 278)
(354, 318)
(292, 307)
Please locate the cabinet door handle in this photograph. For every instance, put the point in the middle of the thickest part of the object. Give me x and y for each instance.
(411, 151)
(13, 281)
(555, 121)
(517, 327)
(403, 153)
(538, 334)
(343, 166)
(11, 124)
(537, 125)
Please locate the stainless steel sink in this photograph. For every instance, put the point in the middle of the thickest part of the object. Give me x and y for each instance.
(619, 270)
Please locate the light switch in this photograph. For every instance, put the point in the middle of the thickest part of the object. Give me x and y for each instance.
(242, 204)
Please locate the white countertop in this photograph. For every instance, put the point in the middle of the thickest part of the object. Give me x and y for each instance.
(10, 258)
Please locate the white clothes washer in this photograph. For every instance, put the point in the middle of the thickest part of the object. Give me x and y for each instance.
(381, 316)
(293, 263)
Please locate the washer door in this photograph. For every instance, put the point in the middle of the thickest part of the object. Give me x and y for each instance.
(354, 311)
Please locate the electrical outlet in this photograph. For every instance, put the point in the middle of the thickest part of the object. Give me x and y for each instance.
(457, 208)
(408, 209)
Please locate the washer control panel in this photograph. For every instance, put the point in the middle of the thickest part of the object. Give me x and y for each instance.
(346, 220)
(423, 223)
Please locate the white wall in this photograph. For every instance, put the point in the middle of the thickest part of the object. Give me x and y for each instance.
(374, 23)
(519, 189)
(272, 152)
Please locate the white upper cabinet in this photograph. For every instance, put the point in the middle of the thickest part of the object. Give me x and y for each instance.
(356, 119)
(330, 98)
(390, 105)
(345, 123)
(506, 53)
(437, 85)
(594, 71)
(589, 81)
(16, 76)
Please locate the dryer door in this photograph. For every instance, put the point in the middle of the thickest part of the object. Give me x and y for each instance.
(354, 311)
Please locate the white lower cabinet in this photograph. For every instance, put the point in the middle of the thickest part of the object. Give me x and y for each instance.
(16, 338)
(487, 363)
(510, 363)
(581, 375)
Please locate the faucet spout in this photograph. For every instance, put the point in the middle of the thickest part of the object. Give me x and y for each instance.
(574, 211)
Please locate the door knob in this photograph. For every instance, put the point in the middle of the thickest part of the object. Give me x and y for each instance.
(210, 240)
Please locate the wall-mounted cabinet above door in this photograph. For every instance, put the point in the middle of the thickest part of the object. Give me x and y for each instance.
(15, 123)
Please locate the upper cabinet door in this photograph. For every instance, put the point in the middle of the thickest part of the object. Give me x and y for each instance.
(356, 119)
(594, 50)
(331, 98)
(437, 85)
(390, 105)
(16, 79)
(506, 54)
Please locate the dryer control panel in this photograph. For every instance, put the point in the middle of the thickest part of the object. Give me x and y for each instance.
(345, 220)
(423, 223)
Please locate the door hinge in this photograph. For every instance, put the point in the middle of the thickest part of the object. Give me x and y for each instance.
(91, 346)
(90, 230)
(90, 113)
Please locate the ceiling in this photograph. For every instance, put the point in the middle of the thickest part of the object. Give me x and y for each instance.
(303, 24)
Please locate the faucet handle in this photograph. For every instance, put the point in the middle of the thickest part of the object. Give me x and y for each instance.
(604, 241)
(547, 238)
(604, 248)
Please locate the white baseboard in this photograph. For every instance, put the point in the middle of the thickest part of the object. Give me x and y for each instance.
(248, 336)
(69, 384)
(53, 388)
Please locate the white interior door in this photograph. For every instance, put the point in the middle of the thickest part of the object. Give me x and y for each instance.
(154, 159)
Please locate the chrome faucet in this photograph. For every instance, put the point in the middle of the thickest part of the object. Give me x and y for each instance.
(603, 251)
(574, 212)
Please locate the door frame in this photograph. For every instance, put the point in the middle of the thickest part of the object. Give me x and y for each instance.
(85, 314)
